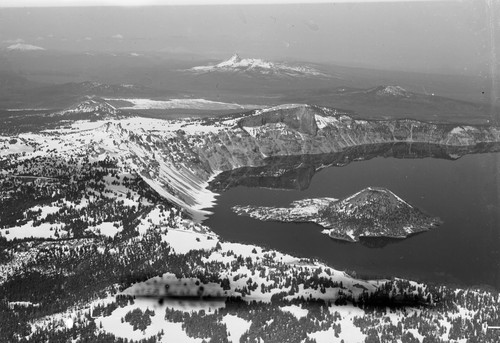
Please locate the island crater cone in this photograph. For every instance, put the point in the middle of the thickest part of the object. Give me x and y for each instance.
(371, 212)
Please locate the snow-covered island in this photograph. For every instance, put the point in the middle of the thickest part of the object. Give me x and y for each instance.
(372, 212)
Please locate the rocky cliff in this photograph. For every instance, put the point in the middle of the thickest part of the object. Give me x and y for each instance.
(180, 161)
(179, 158)
(297, 171)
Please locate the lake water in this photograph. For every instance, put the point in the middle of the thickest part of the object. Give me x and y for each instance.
(464, 193)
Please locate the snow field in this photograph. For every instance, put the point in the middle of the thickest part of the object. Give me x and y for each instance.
(236, 327)
(173, 332)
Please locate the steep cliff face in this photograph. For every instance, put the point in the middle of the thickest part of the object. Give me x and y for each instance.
(296, 171)
(289, 132)
(179, 158)
(180, 162)
(301, 118)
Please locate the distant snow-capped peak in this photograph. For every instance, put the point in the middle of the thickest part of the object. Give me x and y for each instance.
(392, 91)
(24, 47)
(236, 64)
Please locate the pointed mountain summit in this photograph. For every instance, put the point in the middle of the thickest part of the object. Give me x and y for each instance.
(235, 59)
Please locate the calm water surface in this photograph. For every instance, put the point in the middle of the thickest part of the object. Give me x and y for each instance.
(464, 193)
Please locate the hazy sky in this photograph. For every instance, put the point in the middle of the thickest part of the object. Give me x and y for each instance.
(424, 36)
(45, 3)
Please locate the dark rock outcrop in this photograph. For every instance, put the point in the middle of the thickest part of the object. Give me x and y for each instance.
(300, 118)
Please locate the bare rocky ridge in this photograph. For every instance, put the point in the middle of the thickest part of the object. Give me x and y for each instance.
(372, 212)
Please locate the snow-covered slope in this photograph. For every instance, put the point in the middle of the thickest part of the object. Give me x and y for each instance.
(236, 64)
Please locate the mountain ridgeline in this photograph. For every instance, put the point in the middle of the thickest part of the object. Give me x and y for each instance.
(179, 159)
(182, 163)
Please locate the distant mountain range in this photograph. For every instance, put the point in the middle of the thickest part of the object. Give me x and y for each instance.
(257, 66)
(93, 88)
(19, 92)
(380, 102)
(393, 101)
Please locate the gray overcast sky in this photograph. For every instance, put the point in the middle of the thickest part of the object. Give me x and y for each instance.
(60, 3)
(424, 36)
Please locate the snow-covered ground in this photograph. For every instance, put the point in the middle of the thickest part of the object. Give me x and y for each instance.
(173, 332)
(236, 327)
(10, 145)
(349, 332)
(183, 241)
(109, 229)
(297, 311)
(44, 230)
